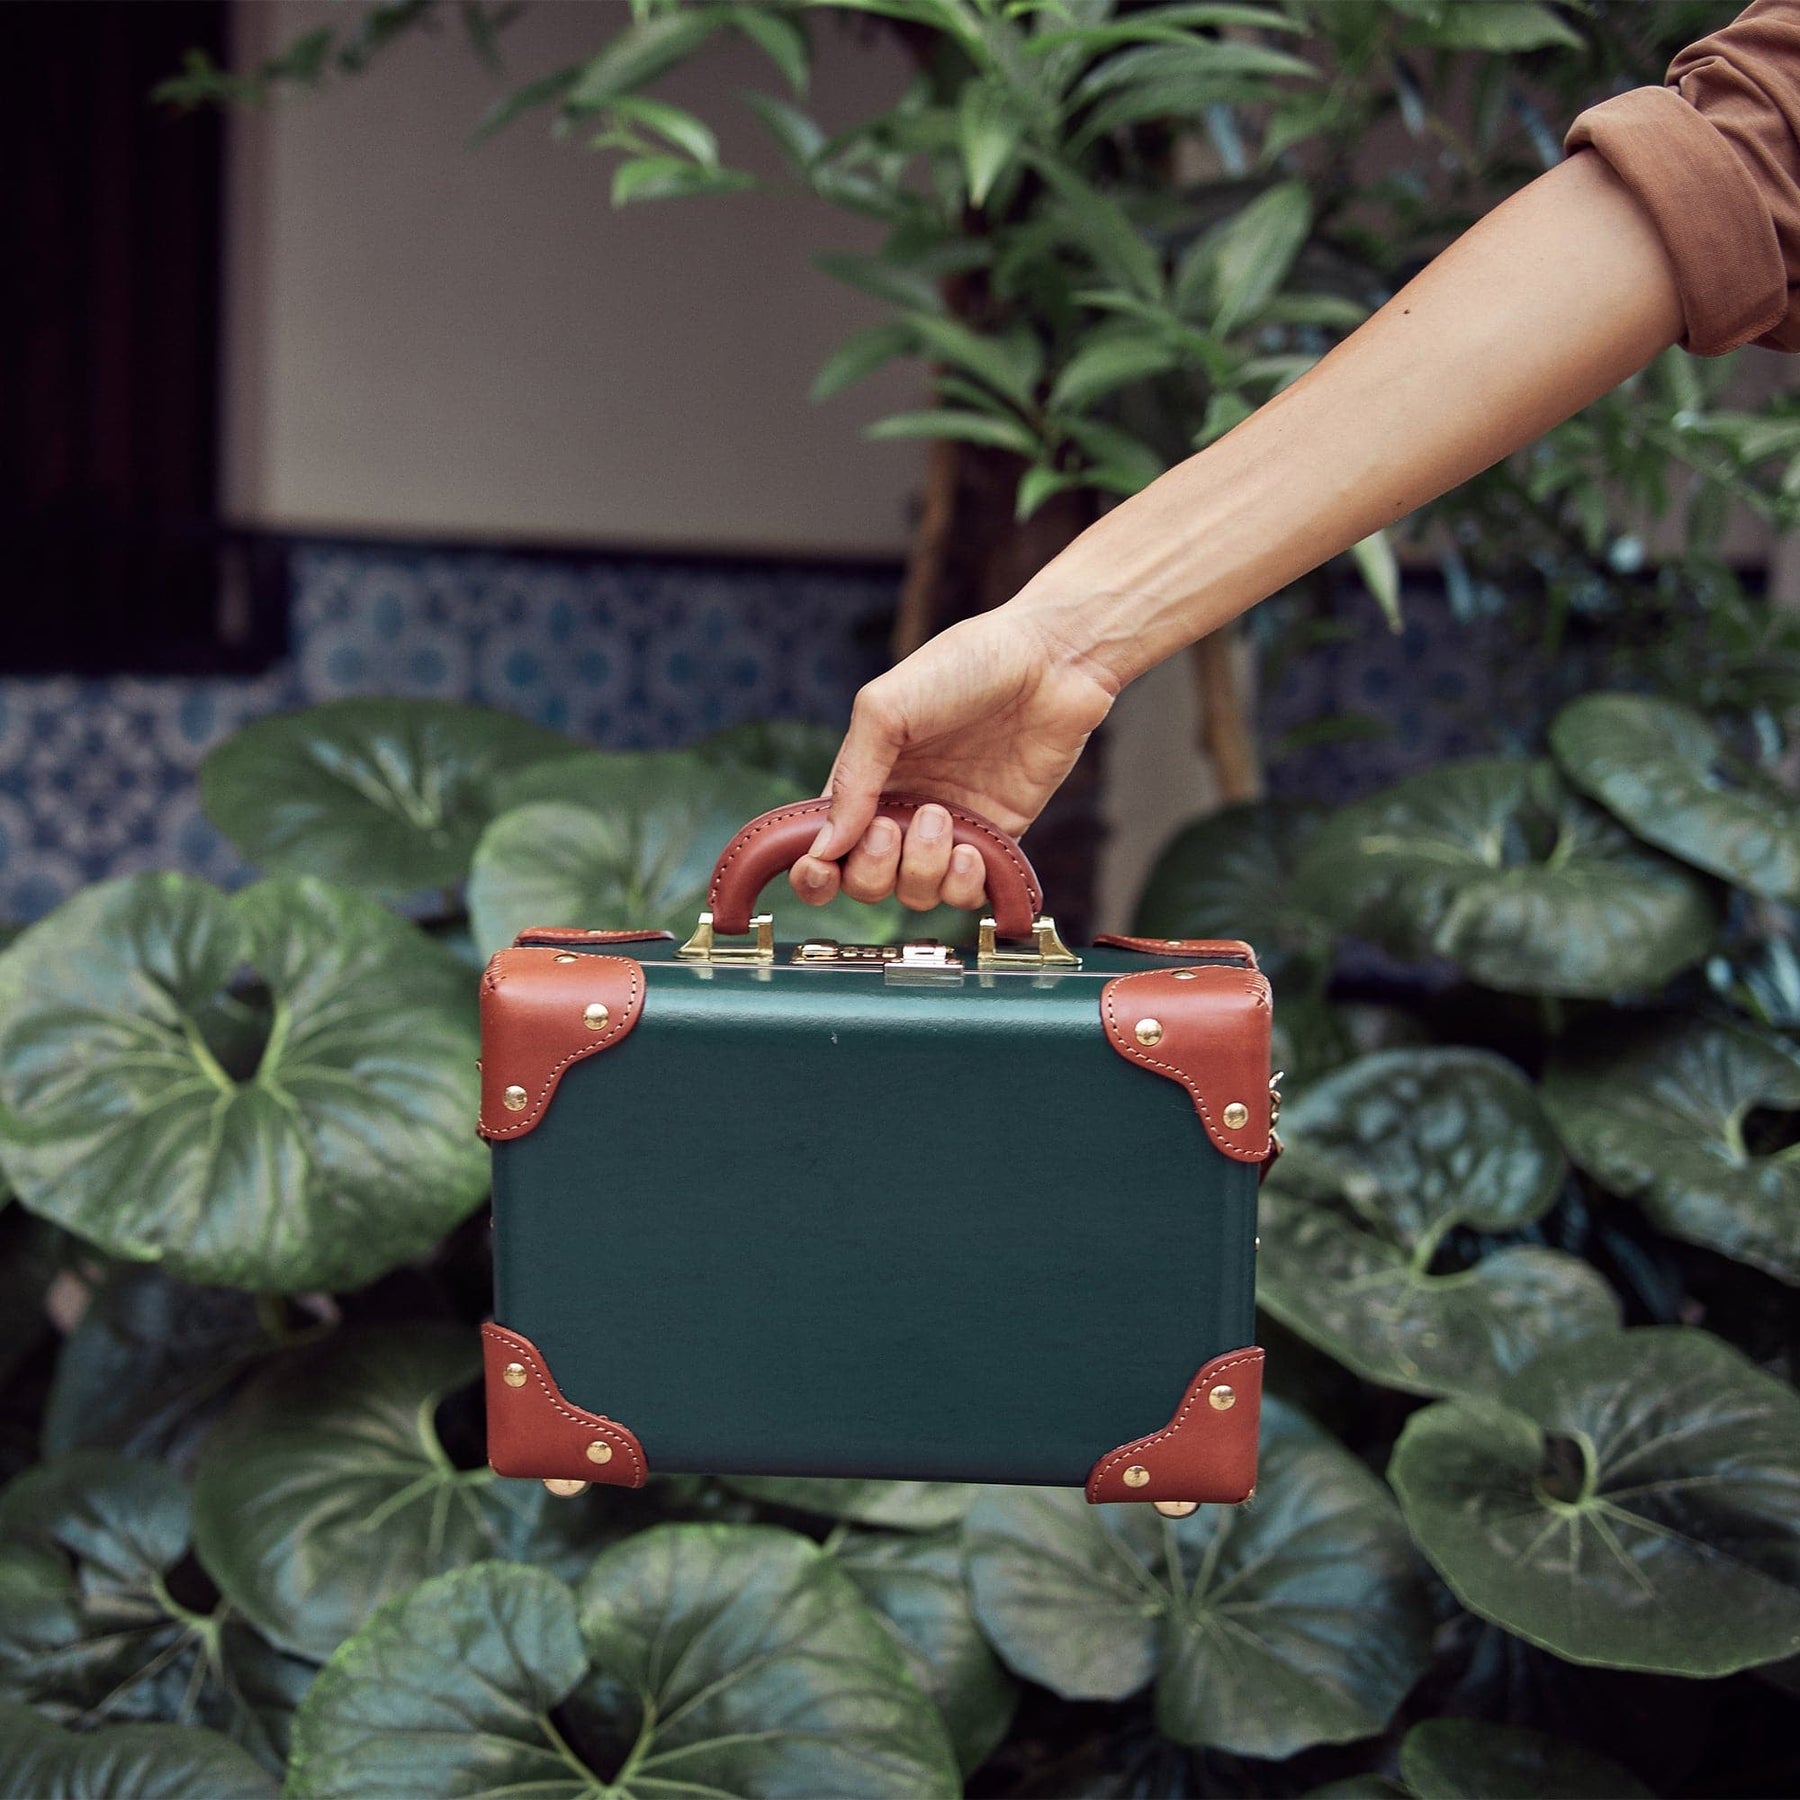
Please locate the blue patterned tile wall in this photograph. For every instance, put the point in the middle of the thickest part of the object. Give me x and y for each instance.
(1442, 687)
(97, 777)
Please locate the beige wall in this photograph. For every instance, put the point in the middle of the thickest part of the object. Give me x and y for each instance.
(425, 338)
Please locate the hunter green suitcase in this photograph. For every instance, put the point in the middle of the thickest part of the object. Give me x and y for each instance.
(899, 1212)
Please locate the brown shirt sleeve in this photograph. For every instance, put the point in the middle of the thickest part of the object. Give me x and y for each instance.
(1714, 158)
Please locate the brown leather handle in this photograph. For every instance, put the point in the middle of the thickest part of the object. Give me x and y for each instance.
(777, 840)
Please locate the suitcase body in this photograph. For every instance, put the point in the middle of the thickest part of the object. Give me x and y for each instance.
(831, 1210)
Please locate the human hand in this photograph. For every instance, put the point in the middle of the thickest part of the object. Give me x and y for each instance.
(990, 714)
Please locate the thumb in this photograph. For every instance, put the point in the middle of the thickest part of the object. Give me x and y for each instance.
(864, 761)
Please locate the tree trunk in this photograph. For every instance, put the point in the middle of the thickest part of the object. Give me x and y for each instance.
(968, 554)
(1225, 736)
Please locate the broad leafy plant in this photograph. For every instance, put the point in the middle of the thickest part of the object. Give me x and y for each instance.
(1527, 1266)
(1111, 230)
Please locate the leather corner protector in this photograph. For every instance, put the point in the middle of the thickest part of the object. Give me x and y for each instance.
(534, 1432)
(574, 934)
(539, 1014)
(1206, 1452)
(1206, 1027)
(1151, 946)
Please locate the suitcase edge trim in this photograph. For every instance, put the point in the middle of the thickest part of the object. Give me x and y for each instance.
(1209, 1026)
(1207, 1452)
(542, 1010)
(533, 1430)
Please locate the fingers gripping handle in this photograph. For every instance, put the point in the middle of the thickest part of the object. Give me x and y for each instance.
(775, 842)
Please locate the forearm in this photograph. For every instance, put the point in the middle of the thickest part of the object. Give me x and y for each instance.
(1546, 304)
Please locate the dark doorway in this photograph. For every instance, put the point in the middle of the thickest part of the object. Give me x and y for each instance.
(111, 557)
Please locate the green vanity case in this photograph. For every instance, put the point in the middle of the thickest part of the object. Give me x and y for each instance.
(854, 1212)
(803, 1219)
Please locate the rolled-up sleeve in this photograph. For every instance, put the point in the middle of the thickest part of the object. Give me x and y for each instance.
(1714, 158)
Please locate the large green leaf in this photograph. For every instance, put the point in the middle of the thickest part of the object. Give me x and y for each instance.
(800, 753)
(916, 1584)
(150, 1358)
(899, 1505)
(744, 1660)
(327, 1154)
(1233, 875)
(41, 1761)
(449, 1689)
(1389, 1155)
(1444, 1136)
(621, 841)
(326, 1489)
(388, 795)
(1255, 250)
(1470, 1759)
(1501, 26)
(1496, 865)
(724, 1659)
(93, 1547)
(1657, 1112)
(1298, 1619)
(1632, 1500)
(1661, 769)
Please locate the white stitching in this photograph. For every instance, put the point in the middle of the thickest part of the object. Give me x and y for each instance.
(627, 1018)
(1202, 1384)
(587, 1420)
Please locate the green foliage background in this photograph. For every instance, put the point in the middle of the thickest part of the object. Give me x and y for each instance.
(1529, 1511)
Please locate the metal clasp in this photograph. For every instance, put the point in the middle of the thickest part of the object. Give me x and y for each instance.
(702, 947)
(1050, 952)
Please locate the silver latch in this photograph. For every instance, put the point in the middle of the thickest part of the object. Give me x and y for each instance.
(928, 953)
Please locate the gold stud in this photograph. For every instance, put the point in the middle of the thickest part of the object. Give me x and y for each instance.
(1137, 1475)
(513, 1374)
(515, 1099)
(1236, 1114)
(1174, 943)
(1222, 1399)
(565, 958)
(567, 1490)
(1149, 1031)
(596, 1017)
(1176, 1509)
(598, 1452)
(1185, 975)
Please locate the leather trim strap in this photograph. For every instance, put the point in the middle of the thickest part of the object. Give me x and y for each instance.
(1205, 1452)
(778, 839)
(534, 1431)
(1208, 1028)
(538, 1015)
(1182, 947)
(573, 934)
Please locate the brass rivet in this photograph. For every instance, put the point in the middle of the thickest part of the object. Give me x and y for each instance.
(1137, 1475)
(1149, 1031)
(567, 1490)
(1236, 1114)
(599, 1452)
(1173, 943)
(1221, 1399)
(513, 1374)
(515, 1099)
(596, 1017)
(1176, 1509)
(565, 958)
(1185, 975)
